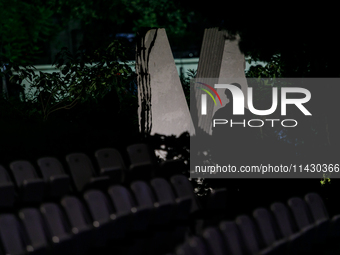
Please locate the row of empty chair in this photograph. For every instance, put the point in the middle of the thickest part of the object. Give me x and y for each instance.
(55, 207)
(76, 223)
(302, 226)
(53, 181)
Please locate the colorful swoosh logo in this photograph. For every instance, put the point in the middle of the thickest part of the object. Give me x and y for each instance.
(210, 93)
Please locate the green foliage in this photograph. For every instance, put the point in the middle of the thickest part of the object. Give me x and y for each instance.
(325, 180)
(87, 10)
(272, 69)
(151, 13)
(262, 79)
(191, 74)
(82, 78)
(100, 20)
(24, 26)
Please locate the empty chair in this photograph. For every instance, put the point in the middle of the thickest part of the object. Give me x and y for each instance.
(247, 230)
(7, 189)
(184, 189)
(250, 236)
(79, 219)
(103, 216)
(269, 234)
(179, 208)
(166, 202)
(319, 212)
(111, 164)
(142, 162)
(131, 216)
(34, 226)
(83, 173)
(26, 178)
(193, 246)
(316, 206)
(159, 214)
(214, 240)
(59, 232)
(284, 221)
(144, 199)
(54, 175)
(170, 209)
(232, 237)
(122, 199)
(11, 235)
(127, 210)
(316, 231)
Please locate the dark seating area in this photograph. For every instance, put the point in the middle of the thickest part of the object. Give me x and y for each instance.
(301, 226)
(103, 204)
(84, 204)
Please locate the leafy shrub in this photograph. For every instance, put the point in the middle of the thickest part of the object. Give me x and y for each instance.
(186, 83)
(82, 78)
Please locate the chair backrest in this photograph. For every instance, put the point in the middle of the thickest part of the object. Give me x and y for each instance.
(163, 190)
(140, 155)
(81, 169)
(249, 234)
(143, 194)
(301, 212)
(316, 206)
(23, 170)
(4, 177)
(76, 212)
(317, 230)
(121, 199)
(111, 163)
(214, 240)
(145, 200)
(10, 235)
(55, 221)
(165, 198)
(7, 189)
(142, 161)
(50, 167)
(284, 219)
(184, 188)
(54, 175)
(98, 205)
(232, 237)
(265, 223)
(31, 186)
(34, 226)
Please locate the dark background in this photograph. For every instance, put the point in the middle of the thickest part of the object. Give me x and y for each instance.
(297, 42)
